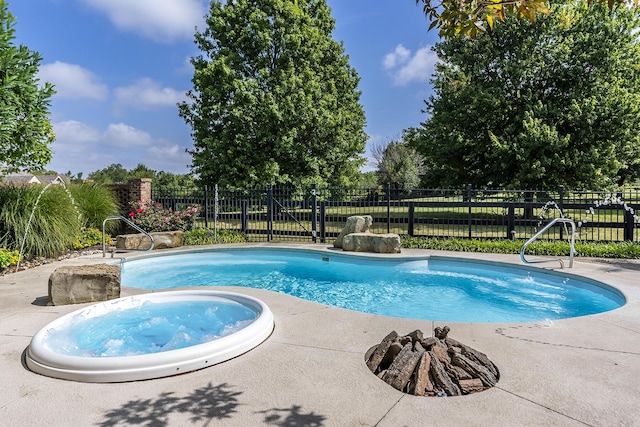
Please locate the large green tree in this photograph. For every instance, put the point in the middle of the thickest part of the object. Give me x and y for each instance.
(25, 129)
(455, 18)
(538, 104)
(274, 99)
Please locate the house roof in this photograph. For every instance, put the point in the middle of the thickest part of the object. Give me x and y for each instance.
(21, 178)
(29, 178)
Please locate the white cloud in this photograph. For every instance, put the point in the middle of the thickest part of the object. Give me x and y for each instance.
(77, 148)
(125, 136)
(73, 132)
(399, 56)
(80, 147)
(407, 67)
(73, 81)
(159, 20)
(146, 93)
(167, 156)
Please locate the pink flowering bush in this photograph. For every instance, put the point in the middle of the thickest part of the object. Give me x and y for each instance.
(152, 216)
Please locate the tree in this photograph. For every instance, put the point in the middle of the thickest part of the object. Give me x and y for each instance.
(535, 105)
(400, 165)
(25, 129)
(112, 174)
(171, 180)
(115, 173)
(455, 18)
(368, 179)
(274, 97)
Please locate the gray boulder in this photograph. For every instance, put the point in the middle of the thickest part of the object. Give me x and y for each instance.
(367, 242)
(355, 224)
(162, 240)
(86, 283)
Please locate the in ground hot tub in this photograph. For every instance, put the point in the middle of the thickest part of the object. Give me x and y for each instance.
(149, 336)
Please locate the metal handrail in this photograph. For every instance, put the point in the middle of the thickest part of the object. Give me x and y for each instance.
(572, 249)
(130, 223)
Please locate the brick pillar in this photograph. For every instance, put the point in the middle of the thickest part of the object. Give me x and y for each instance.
(139, 189)
(121, 193)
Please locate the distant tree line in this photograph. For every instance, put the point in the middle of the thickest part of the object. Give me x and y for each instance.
(115, 173)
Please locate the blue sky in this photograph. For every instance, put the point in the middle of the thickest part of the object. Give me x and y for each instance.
(121, 66)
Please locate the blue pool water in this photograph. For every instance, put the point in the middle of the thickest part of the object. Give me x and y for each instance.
(443, 290)
(151, 327)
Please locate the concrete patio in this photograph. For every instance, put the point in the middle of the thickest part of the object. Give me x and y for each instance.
(311, 371)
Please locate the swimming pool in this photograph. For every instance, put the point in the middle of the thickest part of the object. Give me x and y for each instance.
(434, 288)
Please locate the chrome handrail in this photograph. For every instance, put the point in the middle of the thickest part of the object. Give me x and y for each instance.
(130, 223)
(572, 249)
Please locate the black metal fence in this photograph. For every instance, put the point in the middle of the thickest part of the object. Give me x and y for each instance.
(319, 214)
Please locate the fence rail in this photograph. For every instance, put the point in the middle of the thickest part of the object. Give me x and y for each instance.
(318, 214)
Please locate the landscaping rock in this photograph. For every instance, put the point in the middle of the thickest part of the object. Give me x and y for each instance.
(471, 386)
(355, 224)
(402, 367)
(431, 366)
(374, 361)
(441, 377)
(367, 242)
(162, 240)
(422, 382)
(81, 284)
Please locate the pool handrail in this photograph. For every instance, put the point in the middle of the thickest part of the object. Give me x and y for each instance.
(132, 225)
(572, 249)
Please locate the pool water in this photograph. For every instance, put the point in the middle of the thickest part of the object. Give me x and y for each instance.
(151, 327)
(150, 335)
(434, 289)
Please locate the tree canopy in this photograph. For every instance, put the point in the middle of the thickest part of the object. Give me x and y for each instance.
(274, 98)
(470, 17)
(116, 173)
(537, 104)
(400, 165)
(25, 129)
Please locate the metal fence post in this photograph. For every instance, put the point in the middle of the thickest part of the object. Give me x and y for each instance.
(323, 221)
(629, 225)
(561, 207)
(314, 214)
(389, 208)
(469, 215)
(206, 207)
(412, 207)
(511, 222)
(215, 214)
(244, 217)
(269, 213)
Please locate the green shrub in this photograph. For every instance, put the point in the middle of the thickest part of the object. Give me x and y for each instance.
(96, 202)
(627, 250)
(54, 224)
(8, 257)
(151, 216)
(203, 236)
(90, 237)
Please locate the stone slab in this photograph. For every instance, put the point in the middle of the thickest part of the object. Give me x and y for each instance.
(85, 283)
(162, 240)
(355, 224)
(367, 242)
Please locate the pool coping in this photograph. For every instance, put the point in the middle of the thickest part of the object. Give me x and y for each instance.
(576, 371)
